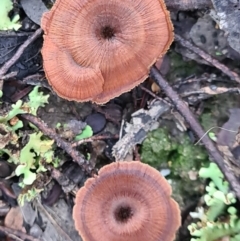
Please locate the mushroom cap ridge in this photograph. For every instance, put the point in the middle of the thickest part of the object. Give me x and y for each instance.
(113, 43)
(127, 201)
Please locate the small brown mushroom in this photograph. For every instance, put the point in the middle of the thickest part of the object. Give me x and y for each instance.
(95, 50)
(127, 201)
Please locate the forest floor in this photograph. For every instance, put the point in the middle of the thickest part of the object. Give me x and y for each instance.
(50, 146)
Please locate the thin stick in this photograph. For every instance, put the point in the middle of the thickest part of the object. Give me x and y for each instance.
(212, 129)
(17, 55)
(154, 95)
(94, 138)
(196, 127)
(55, 224)
(17, 233)
(208, 58)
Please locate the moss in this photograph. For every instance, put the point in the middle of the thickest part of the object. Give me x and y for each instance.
(161, 150)
(181, 68)
(177, 153)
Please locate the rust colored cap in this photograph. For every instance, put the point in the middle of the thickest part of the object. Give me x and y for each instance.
(96, 50)
(128, 201)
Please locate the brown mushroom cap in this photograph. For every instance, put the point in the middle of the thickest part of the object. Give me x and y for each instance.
(96, 50)
(127, 201)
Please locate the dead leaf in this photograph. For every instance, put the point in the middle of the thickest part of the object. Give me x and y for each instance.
(14, 219)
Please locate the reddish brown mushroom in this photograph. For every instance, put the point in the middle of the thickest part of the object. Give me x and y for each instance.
(128, 201)
(95, 50)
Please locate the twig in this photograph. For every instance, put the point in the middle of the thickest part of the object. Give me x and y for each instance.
(212, 129)
(55, 224)
(21, 93)
(154, 95)
(17, 233)
(13, 34)
(14, 237)
(209, 92)
(107, 116)
(94, 138)
(59, 141)
(37, 80)
(10, 75)
(189, 80)
(208, 58)
(196, 127)
(17, 55)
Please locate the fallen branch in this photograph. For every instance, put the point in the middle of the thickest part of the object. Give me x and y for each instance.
(16, 234)
(196, 127)
(231, 74)
(94, 138)
(208, 91)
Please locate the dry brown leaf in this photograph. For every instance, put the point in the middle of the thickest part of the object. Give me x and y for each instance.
(14, 219)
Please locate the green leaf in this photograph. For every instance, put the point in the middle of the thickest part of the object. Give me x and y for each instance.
(86, 133)
(18, 125)
(16, 109)
(56, 162)
(58, 125)
(5, 7)
(39, 146)
(37, 99)
(28, 196)
(214, 173)
(28, 156)
(29, 177)
(212, 136)
(48, 156)
(41, 168)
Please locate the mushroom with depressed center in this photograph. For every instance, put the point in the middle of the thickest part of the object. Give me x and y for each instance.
(95, 50)
(127, 201)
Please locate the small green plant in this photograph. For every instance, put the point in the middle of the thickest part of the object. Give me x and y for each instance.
(38, 151)
(33, 156)
(29, 195)
(72, 133)
(86, 133)
(6, 23)
(220, 218)
(212, 135)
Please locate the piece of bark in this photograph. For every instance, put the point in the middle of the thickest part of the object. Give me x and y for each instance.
(187, 4)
